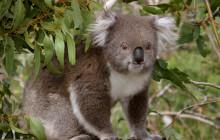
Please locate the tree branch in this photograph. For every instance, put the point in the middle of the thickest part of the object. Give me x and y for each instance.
(212, 22)
(189, 107)
(205, 84)
(189, 116)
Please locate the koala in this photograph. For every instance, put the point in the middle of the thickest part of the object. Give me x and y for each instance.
(77, 104)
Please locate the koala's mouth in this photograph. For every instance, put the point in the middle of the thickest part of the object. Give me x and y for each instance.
(135, 64)
(135, 67)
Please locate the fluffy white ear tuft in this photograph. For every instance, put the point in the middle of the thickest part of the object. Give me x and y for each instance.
(165, 31)
(108, 4)
(99, 29)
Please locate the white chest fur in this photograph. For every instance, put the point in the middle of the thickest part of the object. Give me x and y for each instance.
(123, 86)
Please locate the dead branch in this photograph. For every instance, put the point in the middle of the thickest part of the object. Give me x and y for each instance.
(205, 84)
(189, 116)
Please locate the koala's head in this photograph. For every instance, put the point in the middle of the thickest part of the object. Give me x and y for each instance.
(130, 43)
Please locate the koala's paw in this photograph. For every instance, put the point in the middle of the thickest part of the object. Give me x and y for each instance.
(151, 137)
(110, 138)
(82, 137)
(156, 137)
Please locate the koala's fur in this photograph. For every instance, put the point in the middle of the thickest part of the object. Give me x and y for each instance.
(77, 104)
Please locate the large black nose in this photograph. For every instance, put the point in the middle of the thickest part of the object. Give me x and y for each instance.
(138, 55)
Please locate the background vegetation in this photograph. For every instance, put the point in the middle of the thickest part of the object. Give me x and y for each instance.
(185, 92)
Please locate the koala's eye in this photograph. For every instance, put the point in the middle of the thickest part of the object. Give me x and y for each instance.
(148, 46)
(124, 45)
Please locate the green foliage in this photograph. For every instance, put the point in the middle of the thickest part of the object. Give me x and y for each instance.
(176, 76)
(36, 128)
(42, 29)
(153, 9)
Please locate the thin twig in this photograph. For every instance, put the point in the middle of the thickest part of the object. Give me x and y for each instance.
(205, 84)
(160, 93)
(189, 107)
(164, 90)
(200, 104)
(211, 38)
(212, 22)
(189, 116)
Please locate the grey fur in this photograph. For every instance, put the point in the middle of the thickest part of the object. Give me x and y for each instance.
(48, 97)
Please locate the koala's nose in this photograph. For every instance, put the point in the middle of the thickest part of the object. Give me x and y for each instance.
(138, 55)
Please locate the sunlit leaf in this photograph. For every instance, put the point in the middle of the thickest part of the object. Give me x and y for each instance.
(48, 48)
(71, 49)
(76, 14)
(59, 47)
(153, 9)
(37, 129)
(51, 26)
(19, 13)
(163, 6)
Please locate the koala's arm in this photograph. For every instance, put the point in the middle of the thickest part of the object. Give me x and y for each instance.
(135, 110)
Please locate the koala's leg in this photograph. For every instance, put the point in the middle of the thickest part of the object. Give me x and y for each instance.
(135, 109)
(93, 110)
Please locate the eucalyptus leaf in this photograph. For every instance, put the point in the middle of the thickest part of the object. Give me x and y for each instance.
(153, 9)
(174, 75)
(4, 6)
(88, 43)
(19, 13)
(48, 3)
(59, 47)
(186, 33)
(196, 32)
(164, 6)
(202, 46)
(53, 69)
(48, 48)
(37, 129)
(71, 49)
(9, 56)
(76, 14)
(37, 60)
(50, 26)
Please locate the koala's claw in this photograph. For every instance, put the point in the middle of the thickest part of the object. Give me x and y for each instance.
(157, 137)
(151, 137)
(82, 137)
(111, 138)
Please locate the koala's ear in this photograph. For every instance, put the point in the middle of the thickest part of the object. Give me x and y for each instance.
(100, 28)
(166, 30)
